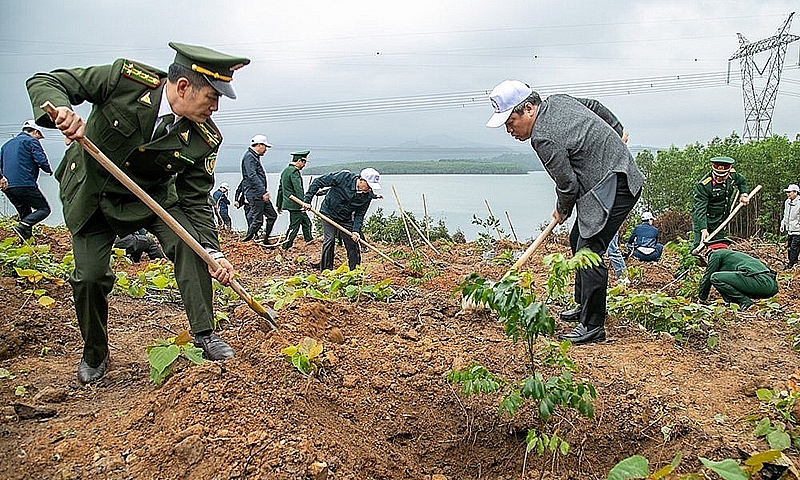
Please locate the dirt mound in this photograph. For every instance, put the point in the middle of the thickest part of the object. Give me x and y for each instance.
(381, 407)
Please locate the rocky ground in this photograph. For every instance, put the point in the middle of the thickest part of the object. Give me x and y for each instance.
(381, 407)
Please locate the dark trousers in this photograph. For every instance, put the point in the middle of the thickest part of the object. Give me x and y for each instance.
(92, 279)
(30, 203)
(260, 210)
(330, 234)
(793, 244)
(591, 283)
(297, 219)
(136, 244)
(649, 257)
(736, 287)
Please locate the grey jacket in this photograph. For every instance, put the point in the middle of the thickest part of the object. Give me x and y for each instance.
(578, 142)
(791, 216)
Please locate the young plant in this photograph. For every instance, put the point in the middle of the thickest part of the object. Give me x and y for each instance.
(781, 433)
(305, 356)
(163, 353)
(327, 285)
(513, 299)
(638, 466)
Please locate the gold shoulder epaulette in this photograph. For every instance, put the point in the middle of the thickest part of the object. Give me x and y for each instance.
(209, 133)
(705, 181)
(139, 74)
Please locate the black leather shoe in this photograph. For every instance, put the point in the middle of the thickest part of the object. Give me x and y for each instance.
(572, 315)
(581, 334)
(23, 230)
(88, 374)
(214, 348)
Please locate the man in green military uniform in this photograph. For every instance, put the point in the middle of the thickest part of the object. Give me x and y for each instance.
(738, 277)
(292, 184)
(713, 196)
(156, 127)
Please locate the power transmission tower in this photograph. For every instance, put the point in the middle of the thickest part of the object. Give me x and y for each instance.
(759, 100)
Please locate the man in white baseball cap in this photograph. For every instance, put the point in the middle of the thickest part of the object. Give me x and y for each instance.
(579, 143)
(790, 223)
(254, 184)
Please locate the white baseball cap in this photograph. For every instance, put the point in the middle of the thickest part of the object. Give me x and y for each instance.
(372, 177)
(647, 216)
(792, 188)
(260, 139)
(32, 124)
(505, 96)
(223, 185)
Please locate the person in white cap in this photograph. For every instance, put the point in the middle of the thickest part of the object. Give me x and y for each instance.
(254, 184)
(346, 203)
(790, 223)
(579, 144)
(21, 158)
(221, 205)
(643, 241)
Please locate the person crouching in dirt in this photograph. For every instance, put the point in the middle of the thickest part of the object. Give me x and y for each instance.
(346, 203)
(137, 243)
(713, 197)
(643, 242)
(579, 142)
(737, 276)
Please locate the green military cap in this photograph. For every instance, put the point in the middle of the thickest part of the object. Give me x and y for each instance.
(298, 155)
(722, 160)
(216, 67)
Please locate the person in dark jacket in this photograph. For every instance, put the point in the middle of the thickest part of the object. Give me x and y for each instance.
(137, 243)
(221, 205)
(292, 184)
(240, 201)
(643, 242)
(156, 126)
(254, 184)
(21, 158)
(346, 203)
(579, 142)
(738, 277)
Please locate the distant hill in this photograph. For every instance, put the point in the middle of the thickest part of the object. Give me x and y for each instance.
(508, 163)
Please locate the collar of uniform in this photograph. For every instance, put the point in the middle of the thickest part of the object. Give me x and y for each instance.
(164, 108)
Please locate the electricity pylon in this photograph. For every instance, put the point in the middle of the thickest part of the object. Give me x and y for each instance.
(759, 101)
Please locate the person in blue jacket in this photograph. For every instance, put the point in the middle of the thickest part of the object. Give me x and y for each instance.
(643, 242)
(21, 158)
(346, 203)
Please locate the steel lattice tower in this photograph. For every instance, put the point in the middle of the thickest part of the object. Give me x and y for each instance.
(759, 101)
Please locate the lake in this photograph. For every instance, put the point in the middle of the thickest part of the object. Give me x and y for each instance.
(529, 200)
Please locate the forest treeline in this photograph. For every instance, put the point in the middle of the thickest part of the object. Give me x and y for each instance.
(672, 174)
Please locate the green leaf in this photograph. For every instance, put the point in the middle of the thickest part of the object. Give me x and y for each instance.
(778, 440)
(161, 357)
(195, 355)
(632, 467)
(727, 469)
(764, 394)
(762, 428)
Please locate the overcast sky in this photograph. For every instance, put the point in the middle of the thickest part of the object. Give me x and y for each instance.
(308, 54)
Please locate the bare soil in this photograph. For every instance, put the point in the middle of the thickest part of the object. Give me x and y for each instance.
(381, 408)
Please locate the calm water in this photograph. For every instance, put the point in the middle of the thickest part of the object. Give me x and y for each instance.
(529, 199)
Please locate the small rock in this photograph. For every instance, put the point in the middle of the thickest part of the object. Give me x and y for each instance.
(50, 395)
(26, 412)
(386, 326)
(8, 414)
(335, 335)
(190, 449)
(350, 381)
(410, 335)
(318, 471)
(195, 429)
(439, 476)
(379, 383)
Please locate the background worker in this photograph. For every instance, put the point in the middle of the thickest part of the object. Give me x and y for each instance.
(579, 143)
(713, 197)
(169, 151)
(21, 158)
(137, 243)
(254, 185)
(346, 203)
(790, 223)
(221, 205)
(643, 241)
(292, 184)
(240, 201)
(738, 277)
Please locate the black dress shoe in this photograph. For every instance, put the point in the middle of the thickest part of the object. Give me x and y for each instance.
(582, 334)
(88, 374)
(214, 348)
(572, 315)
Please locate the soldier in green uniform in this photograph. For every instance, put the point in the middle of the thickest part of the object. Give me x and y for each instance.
(713, 196)
(292, 184)
(738, 277)
(156, 127)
